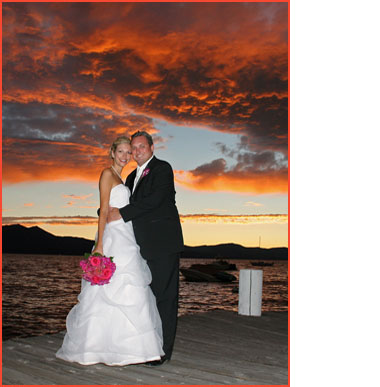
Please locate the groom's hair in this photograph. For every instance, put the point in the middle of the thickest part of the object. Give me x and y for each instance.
(145, 134)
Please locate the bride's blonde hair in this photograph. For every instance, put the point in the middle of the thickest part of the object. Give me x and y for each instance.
(118, 141)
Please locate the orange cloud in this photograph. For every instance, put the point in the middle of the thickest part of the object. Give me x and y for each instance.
(142, 59)
(77, 197)
(69, 88)
(53, 161)
(28, 204)
(252, 204)
(52, 220)
(245, 183)
(198, 218)
(236, 219)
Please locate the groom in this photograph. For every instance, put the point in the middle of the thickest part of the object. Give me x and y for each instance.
(157, 229)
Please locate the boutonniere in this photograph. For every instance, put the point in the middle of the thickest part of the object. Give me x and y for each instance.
(146, 171)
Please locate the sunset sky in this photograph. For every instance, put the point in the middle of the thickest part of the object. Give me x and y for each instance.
(209, 81)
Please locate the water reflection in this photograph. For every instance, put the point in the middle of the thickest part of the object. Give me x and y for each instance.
(39, 291)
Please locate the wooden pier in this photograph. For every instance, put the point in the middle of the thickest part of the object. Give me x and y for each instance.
(213, 348)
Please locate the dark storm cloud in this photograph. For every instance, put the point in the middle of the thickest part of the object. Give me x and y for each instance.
(65, 123)
(85, 72)
(215, 167)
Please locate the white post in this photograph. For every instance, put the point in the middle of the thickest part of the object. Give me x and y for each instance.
(250, 292)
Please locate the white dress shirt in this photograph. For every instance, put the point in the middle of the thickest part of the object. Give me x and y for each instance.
(139, 171)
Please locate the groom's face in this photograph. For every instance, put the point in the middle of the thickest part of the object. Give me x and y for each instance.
(141, 150)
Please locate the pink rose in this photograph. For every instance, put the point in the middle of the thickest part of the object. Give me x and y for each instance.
(95, 261)
(107, 273)
(146, 171)
(83, 265)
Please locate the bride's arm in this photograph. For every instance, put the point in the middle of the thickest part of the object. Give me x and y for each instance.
(105, 185)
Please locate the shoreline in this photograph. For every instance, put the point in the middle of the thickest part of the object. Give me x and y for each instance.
(203, 258)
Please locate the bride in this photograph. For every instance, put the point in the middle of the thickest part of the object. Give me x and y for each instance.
(117, 323)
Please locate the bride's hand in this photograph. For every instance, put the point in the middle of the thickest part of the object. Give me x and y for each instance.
(98, 250)
(113, 214)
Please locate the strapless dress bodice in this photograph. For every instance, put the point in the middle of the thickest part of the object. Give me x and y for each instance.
(119, 196)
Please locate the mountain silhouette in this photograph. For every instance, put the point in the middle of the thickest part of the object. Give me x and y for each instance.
(18, 239)
(235, 251)
(34, 240)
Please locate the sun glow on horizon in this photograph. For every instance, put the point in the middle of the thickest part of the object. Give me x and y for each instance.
(198, 229)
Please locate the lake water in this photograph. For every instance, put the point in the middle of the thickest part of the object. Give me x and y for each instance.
(40, 290)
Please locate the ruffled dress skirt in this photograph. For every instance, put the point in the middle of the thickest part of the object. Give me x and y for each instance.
(117, 323)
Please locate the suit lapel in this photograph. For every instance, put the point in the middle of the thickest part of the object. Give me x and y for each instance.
(130, 180)
(138, 182)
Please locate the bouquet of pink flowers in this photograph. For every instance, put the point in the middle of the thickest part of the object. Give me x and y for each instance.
(97, 268)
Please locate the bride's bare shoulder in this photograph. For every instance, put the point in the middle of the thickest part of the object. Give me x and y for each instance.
(106, 176)
(107, 172)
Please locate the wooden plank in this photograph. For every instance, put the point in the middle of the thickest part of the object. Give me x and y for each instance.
(212, 348)
(67, 373)
(245, 370)
(274, 322)
(34, 358)
(169, 373)
(12, 376)
(37, 362)
(215, 340)
(199, 334)
(256, 351)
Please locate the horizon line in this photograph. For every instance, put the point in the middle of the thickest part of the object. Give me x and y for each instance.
(218, 244)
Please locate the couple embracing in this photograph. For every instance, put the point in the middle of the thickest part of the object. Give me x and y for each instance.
(132, 319)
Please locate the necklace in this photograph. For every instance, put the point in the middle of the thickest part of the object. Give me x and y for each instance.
(117, 173)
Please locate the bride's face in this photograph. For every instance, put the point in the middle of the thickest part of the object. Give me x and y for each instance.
(122, 155)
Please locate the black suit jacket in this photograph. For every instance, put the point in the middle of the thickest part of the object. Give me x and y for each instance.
(153, 212)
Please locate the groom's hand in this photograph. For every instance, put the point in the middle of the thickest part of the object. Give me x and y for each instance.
(113, 214)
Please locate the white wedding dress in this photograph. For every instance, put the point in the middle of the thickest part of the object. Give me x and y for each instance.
(117, 323)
